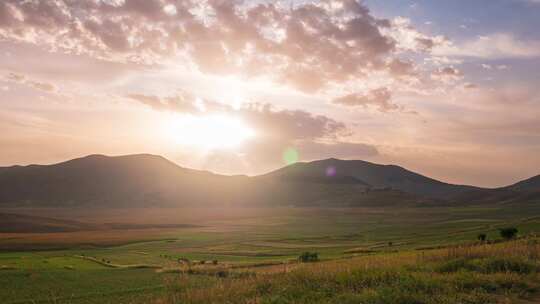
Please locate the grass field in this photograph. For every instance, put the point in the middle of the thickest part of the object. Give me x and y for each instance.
(139, 265)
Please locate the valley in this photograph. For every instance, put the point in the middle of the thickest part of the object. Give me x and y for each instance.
(134, 258)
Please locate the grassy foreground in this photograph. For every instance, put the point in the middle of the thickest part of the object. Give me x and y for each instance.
(480, 273)
(370, 255)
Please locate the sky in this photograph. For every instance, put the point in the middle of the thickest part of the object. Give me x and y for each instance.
(448, 89)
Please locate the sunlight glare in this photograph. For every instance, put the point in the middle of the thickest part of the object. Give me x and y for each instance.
(208, 132)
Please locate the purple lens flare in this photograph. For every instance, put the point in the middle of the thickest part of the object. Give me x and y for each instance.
(330, 171)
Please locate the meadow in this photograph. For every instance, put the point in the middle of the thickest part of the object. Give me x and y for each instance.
(249, 255)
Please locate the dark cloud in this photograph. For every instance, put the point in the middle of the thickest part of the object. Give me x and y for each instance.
(378, 98)
(290, 124)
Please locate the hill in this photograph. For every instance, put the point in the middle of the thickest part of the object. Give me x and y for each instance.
(145, 180)
(133, 180)
(526, 191)
(529, 185)
(374, 175)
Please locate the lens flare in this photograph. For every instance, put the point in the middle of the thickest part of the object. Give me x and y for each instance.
(330, 171)
(290, 156)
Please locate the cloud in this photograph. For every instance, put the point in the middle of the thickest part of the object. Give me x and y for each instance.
(401, 68)
(409, 39)
(38, 85)
(469, 85)
(378, 98)
(315, 150)
(309, 46)
(273, 124)
(313, 136)
(447, 75)
(182, 102)
(487, 66)
(495, 46)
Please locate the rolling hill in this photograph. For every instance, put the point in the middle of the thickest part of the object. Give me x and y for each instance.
(133, 180)
(374, 175)
(145, 180)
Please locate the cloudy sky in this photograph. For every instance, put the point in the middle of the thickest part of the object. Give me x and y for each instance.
(445, 88)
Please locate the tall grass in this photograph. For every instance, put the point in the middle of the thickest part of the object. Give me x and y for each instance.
(486, 273)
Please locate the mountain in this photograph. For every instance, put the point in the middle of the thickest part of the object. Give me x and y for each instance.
(97, 180)
(374, 175)
(145, 180)
(522, 192)
(529, 185)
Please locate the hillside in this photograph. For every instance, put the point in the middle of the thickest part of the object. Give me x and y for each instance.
(526, 191)
(148, 181)
(134, 180)
(375, 175)
(18, 223)
(529, 185)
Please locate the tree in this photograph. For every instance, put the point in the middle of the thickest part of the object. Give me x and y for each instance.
(307, 257)
(508, 233)
(482, 237)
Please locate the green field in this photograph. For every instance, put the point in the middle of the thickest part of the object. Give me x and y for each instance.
(141, 265)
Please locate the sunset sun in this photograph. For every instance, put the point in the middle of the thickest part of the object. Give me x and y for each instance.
(208, 132)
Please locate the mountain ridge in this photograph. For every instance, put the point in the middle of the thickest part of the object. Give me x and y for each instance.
(152, 180)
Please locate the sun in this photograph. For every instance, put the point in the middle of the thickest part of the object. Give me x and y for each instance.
(217, 131)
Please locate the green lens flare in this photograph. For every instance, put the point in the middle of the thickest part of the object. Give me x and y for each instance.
(290, 156)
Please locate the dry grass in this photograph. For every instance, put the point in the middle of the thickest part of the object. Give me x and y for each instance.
(528, 248)
(501, 273)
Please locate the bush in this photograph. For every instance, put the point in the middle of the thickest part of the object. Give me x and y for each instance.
(222, 274)
(307, 257)
(482, 237)
(508, 233)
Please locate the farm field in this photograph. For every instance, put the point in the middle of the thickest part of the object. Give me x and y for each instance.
(137, 261)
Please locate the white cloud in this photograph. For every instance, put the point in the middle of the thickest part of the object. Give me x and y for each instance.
(496, 46)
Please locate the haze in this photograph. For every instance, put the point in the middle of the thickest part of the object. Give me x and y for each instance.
(445, 88)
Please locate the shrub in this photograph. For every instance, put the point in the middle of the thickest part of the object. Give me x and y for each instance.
(482, 237)
(307, 257)
(222, 274)
(508, 233)
(183, 261)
